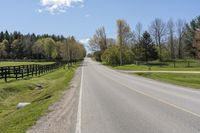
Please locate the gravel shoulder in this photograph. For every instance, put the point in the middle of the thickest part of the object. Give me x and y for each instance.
(62, 115)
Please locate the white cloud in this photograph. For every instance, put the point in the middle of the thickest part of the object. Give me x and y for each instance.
(39, 10)
(58, 6)
(84, 41)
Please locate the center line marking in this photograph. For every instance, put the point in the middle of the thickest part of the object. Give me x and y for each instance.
(78, 122)
(156, 98)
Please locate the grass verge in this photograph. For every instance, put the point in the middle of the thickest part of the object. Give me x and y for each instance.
(155, 68)
(163, 66)
(5, 63)
(18, 121)
(186, 80)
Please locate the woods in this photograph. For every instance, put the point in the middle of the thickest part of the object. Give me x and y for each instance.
(163, 41)
(30, 46)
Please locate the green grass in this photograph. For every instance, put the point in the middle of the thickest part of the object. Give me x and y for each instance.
(187, 80)
(5, 63)
(13, 92)
(166, 66)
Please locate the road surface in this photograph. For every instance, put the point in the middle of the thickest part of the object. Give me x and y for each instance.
(114, 102)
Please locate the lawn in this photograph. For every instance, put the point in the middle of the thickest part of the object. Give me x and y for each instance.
(13, 92)
(187, 80)
(5, 63)
(163, 66)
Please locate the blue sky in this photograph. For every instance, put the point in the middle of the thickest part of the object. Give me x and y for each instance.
(82, 17)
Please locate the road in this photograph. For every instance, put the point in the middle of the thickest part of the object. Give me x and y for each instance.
(114, 102)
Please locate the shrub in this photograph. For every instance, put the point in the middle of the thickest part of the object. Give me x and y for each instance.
(97, 55)
(111, 56)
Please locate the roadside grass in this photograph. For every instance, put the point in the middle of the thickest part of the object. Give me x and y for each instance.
(5, 63)
(182, 79)
(53, 84)
(163, 66)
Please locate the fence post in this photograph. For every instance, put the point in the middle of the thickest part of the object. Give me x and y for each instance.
(27, 70)
(22, 72)
(174, 64)
(188, 63)
(5, 74)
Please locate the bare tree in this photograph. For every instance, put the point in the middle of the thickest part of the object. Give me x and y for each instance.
(124, 36)
(158, 31)
(180, 26)
(171, 30)
(138, 31)
(99, 40)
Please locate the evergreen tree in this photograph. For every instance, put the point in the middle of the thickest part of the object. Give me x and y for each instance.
(148, 50)
(191, 29)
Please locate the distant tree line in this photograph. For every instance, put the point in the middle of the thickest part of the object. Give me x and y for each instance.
(163, 41)
(30, 46)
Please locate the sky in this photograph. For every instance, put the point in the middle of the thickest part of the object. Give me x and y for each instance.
(81, 18)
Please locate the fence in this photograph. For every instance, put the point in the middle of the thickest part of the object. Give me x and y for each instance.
(26, 70)
(175, 64)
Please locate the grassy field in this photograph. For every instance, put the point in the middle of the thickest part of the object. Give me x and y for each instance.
(5, 63)
(187, 80)
(18, 121)
(164, 66)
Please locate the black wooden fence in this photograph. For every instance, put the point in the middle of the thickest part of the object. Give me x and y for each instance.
(23, 71)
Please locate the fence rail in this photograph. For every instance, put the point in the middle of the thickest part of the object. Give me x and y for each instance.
(23, 71)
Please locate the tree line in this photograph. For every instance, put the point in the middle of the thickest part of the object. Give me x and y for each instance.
(163, 41)
(30, 46)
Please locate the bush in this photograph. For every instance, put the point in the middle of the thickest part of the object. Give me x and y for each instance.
(111, 56)
(97, 55)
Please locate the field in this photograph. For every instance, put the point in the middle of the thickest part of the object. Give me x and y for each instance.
(186, 80)
(41, 92)
(5, 63)
(193, 65)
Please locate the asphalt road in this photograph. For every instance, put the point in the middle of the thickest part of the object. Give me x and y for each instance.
(114, 102)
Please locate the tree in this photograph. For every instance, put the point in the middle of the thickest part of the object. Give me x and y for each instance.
(98, 43)
(17, 49)
(1, 36)
(148, 50)
(191, 29)
(196, 42)
(110, 42)
(38, 48)
(27, 44)
(124, 36)
(138, 31)
(99, 40)
(3, 49)
(171, 30)
(17, 45)
(71, 49)
(111, 55)
(158, 31)
(64, 50)
(180, 26)
(50, 48)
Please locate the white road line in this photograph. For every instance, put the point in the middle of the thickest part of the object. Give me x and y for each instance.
(78, 122)
(158, 99)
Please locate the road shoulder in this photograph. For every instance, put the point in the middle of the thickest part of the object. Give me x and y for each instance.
(62, 115)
